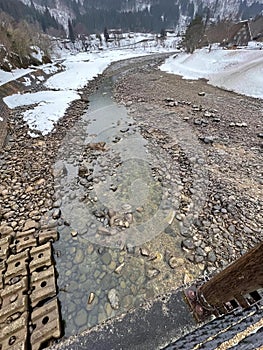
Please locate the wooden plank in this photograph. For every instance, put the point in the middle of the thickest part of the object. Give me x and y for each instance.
(240, 278)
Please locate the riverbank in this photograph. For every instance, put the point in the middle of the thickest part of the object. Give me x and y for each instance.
(207, 154)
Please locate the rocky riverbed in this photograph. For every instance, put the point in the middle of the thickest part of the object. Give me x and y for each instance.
(202, 155)
(228, 128)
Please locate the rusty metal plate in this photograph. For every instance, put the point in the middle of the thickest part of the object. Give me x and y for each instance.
(16, 266)
(43, 286)
(4, 248)
(41, 257)
(14, 301)
(14, 336)
(199, 312)
(46, 324)
(47, 235)
(24, 240)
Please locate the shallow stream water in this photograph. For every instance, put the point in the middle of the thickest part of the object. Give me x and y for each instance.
(105, 269)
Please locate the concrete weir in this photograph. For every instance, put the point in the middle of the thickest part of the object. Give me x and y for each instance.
(151, 326)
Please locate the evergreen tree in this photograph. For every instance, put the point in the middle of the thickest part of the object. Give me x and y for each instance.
(194, 34)
(106, 35)
(162, 33)
(71, 33)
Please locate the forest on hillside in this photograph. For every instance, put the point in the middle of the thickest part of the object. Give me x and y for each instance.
(92, 16)
(42, 20)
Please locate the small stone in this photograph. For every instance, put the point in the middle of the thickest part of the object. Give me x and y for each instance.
(211, 257)
(169, 99)
(90, 249)
(151, 273)
(81, 318)
(129, 218)
(99, 214)
(29, 189)
(106, 258)
(172, 104)
(112, 265)
(15, 316)
(111, 213)
(74, 233)
(114, 299)
(208, 114)
(4, 193)
(6, 231)
(175, 262)
(104, 231)
(123, 130)
(200, 251)
(231, 229)
(57, 204)
(56, 214)
(199, 259)
(119, 268)
(79, 257)
(91, 298)
(40, 182)
(187, 278)
(127, 208)
(14, 280)
(108, 309)
(188, 244)
(123, 285)
(30, 224)
(145, 252)
(207, 139)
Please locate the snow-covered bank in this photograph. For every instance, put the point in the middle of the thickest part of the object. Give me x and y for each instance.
(78, 70)
(83, 67)
(237, 70)
(5, 77)
(51, 106)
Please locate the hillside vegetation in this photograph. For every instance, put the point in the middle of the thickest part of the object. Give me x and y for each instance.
(21, 44)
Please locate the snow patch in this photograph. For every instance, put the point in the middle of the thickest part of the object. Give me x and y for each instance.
(51, 106)
(27, 81)
(5, 77)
